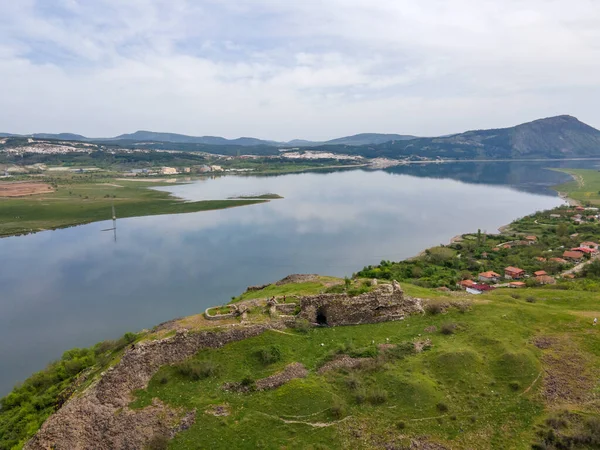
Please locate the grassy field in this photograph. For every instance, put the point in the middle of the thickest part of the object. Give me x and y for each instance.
(585, 187)
(509, 369)
(84, 199)
(483, 384)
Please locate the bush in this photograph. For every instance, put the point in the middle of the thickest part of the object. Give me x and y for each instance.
(338, 409)
(248, 382)
(514, 385)
(401, 425)
(360, 397)
(463, 307)
(442, 407)
(196, 370)
(530, 299)
(434, 308)
(163, 379)
(377, 396)
(158, 442)
(515, 296)
(269, 355)
(301, 325)
(352, 382)
(400, 351)
(448, 328)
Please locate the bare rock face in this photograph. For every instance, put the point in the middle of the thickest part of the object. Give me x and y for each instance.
(100, 418)
(386, 303)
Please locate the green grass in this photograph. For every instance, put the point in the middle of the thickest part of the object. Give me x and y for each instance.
(78, 201)
(468, 391)
(290, 289)
(585, 186)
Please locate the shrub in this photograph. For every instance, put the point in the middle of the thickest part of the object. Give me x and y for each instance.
(163, 379)
(448, 328)
(514, 385)
(463, 307)
(301, 325)
(434, 308)
(352, 382)
(269, 355)
(400, 351)
(530, 299)
(442, 407)
(377, 396)
(248, 381)
(158, 442)
(360, 397)
(196, 370)
(515, 296)
(338, 409)
(401, 425)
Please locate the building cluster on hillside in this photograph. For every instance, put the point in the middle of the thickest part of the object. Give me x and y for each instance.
(490, 280)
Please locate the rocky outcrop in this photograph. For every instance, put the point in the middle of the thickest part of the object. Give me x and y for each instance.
(292, 371)
(100, 418)
(385, 303)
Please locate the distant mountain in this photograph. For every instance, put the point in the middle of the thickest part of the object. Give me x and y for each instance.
(369, 139)
(151, 136)
(61, 136)
(553, 137)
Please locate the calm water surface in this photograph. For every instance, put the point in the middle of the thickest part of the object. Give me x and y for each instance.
(75, 287)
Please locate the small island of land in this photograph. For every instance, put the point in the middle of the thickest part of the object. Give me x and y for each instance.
(254, 197)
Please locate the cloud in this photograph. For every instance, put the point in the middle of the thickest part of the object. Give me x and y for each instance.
(282, 70)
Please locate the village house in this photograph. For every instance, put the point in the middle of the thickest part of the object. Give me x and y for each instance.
(545, 279)
(466, 284)
(540, 259)
(540, 273)
(489, 277)
(584, 250)
(168, 170)
(555, 216)
(513, 273)
(477, 289)
(590, 245)
(516, 284)
(573, 256)
(531, 239)
(559, 260)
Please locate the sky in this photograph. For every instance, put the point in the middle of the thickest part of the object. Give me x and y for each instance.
(295, 69)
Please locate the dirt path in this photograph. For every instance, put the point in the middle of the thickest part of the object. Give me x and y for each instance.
(579, 267)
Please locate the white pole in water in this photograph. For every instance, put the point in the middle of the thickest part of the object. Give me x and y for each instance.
(114, 222)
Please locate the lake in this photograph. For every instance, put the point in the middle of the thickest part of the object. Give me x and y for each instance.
(74, 287)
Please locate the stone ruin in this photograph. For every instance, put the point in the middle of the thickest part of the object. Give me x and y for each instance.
(385, 303)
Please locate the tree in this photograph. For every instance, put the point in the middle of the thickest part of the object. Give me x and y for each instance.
(562, 229)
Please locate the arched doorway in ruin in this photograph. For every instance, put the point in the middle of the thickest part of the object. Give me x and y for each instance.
(321, 316)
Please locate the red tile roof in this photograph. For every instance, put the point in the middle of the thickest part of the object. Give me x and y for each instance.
(513, 270)
(540, 273)
(583, 250)
(489, 274)
(573, 255)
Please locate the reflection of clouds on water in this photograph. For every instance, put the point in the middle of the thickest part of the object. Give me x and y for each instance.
(76, 286)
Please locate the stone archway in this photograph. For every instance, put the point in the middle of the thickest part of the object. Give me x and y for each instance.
(322, 316)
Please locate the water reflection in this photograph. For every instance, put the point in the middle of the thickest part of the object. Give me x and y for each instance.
(76, 286)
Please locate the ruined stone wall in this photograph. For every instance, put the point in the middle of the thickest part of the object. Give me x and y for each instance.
(100, 418)
(386, 303)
